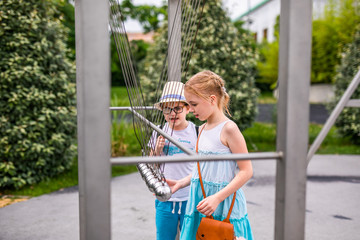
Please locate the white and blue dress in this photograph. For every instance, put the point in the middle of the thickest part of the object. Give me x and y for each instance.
(216, 175)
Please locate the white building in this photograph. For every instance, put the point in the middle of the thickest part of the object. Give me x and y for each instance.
(261, 17)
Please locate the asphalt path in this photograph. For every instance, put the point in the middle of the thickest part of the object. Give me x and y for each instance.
(332, 205)
(317, 113)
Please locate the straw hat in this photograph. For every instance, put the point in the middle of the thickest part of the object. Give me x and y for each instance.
(173, 92)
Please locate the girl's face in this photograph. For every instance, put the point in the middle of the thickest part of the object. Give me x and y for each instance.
(199, 106)
(175, 114)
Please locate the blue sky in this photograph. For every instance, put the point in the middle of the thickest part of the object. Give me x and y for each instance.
(235, 8)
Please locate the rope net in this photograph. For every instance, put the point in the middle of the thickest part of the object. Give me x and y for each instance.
(186, 17)
(185, 22)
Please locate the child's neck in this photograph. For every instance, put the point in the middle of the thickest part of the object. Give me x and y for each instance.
(215, 119)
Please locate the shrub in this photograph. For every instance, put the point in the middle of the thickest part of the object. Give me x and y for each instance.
(325, 51)
(348, 122)
(219, 48)
(37, 94)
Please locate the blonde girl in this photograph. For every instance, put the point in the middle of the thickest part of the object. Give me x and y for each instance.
(208, 100)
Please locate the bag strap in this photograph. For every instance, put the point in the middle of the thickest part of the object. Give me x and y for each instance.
(227, 219)
(197, 150)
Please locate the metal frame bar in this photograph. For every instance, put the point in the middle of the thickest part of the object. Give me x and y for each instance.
(93, 118)
(293, 122)
(344, 102)
(353, 103)
(174, 39)
(193, 158)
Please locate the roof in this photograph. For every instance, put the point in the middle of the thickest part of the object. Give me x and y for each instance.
(252, 9)
(146, 37)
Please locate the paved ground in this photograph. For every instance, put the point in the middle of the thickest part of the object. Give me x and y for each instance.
(333, 209)
(267, 113)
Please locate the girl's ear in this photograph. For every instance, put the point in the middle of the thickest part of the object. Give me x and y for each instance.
(212, 98)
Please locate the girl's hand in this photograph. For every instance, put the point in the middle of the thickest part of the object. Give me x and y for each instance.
(174, 185)
(160, 143)
(208, 205)
(177, 184)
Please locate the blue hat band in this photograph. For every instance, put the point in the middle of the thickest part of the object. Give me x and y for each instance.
(176, 96)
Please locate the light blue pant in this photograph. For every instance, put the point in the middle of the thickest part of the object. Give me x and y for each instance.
(168, 218)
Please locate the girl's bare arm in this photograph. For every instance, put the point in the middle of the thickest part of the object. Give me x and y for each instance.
(234, 139)
(231, 137)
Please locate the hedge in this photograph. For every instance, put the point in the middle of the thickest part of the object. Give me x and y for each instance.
(37, 94)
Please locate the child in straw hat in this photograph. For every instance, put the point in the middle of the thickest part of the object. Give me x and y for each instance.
(170, 214)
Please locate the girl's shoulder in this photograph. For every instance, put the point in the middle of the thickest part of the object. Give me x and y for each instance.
(230, 124)
(232, 137)
(230, 127)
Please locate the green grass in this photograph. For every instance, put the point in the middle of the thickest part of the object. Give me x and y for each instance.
(119, 97)
(266, 97)
(334, 143)
(262, 138)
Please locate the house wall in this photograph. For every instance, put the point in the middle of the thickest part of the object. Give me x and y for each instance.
(263, 17)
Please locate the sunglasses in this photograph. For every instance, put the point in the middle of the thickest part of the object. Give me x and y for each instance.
(177, 109)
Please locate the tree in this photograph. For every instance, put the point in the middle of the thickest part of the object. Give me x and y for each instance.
(149, 16)
(268, 61)
(348, 122)
(37, 94)
(325, 55)
(218, 48)
(138, 50)
(331, 33)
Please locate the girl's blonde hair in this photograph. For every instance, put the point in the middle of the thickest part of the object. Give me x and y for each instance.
(206, 83)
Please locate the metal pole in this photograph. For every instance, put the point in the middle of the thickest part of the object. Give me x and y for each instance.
(227, 157)
(174, 39)
(353, 103)
(344, 101)
(293, 118)
(93, 100)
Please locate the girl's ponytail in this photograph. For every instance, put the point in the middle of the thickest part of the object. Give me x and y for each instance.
(226, 103)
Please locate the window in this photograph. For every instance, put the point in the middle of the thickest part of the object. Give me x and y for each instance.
(265, 32)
